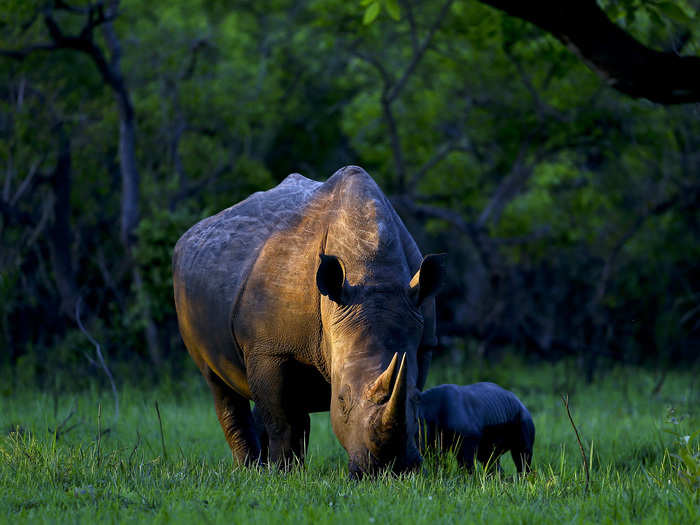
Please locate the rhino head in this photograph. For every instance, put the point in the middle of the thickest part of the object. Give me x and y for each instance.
(371, 337)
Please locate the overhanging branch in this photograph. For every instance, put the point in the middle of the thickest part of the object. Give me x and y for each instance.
(623, 62)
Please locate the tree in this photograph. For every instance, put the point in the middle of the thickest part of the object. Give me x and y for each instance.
(535, 135)
(569, 209)
(614, 54)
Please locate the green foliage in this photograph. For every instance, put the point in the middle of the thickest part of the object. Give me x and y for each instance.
(231, 97)
(374, 7)
(157, 235)
(687, 450)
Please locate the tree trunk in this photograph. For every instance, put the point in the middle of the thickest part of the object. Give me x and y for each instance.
(60, 234)
(130, 178)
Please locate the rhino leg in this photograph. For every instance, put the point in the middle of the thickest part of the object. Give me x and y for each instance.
(522, 448)
(288, 437)
(233, 411)
(262, 435)
(489, 453)
(265, 438)
(275, 390)
(522, 459)
(466, 452)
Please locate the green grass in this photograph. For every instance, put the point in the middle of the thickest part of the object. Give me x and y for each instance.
(125, 476)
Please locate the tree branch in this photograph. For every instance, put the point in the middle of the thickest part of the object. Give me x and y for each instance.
(433, 161)
(100, 357)
(408, 7)
(618, 58)
(374, 62)
(21, 54)
(543, 109)
(396, 89)
(689, 196)
(395, 140)
(520, 172)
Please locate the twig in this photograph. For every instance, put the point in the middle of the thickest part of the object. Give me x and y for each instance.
(136, 446)
(100, 358)
(162, 437)
(565, 400)
(62, 428)
(99, 431)
(396, 89)
(659, 383)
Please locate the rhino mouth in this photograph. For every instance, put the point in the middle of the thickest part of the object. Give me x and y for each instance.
(387, 443)
(358, 471)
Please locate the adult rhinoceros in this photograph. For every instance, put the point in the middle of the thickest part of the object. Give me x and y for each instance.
(306, 297)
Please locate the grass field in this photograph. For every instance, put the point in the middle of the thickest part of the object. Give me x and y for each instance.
(55, 468)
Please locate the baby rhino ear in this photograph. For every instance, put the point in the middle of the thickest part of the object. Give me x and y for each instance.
(330, 277)
(428, 279)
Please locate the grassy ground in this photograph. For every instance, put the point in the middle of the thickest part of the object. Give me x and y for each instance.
(54, 468)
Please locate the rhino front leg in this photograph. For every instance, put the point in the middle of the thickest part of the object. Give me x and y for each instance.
(262, 434)
(287, 436)
(466, 454)
(233, 411)
(278, 406)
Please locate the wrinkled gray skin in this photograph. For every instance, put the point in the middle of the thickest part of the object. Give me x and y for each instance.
(481, 420)
(308, 297)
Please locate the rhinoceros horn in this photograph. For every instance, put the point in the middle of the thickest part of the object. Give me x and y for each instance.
(380, 390)
(394, 415)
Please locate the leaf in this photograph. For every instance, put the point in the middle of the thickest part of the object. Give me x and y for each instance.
(694, 435)
(371, 13)
(392, 7)
(672, 11)
(654, 15)
(366, 2)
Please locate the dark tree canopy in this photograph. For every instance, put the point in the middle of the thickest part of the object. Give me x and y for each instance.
(620, 59)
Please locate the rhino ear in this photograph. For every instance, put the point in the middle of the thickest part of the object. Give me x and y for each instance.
(428, 279)
(330, 277)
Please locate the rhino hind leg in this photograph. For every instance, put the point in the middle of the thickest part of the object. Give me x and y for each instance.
(233, 412)
(522, 459)
(489, 457)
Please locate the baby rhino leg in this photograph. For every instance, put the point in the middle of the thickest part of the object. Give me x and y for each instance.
(492, 445)
(522, 459)
(488, 457)
(521, 451)
(468, 451)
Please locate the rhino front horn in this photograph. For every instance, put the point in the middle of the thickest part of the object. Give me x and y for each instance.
(395, 411)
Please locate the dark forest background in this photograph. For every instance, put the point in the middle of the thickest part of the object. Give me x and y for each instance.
(566, 198)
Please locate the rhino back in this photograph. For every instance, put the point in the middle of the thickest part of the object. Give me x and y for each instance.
(211, 262)
(491, 404)
(443, 406)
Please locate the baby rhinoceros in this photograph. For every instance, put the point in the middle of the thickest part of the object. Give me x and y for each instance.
(481, 420)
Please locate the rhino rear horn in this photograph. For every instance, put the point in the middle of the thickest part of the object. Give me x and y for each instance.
(394, 415)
